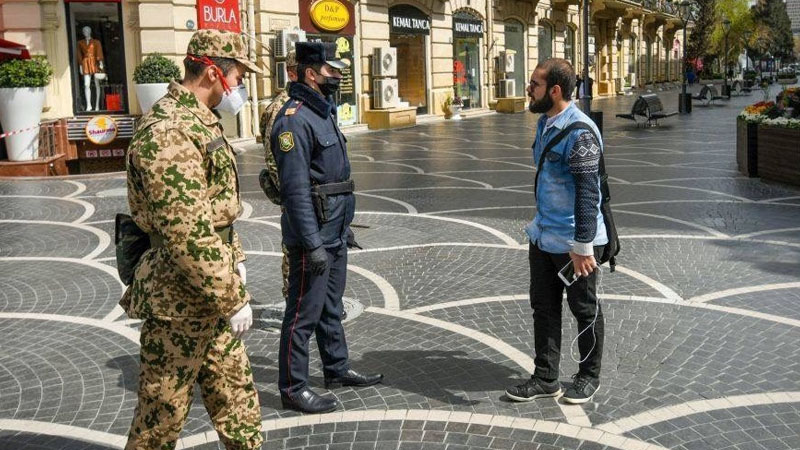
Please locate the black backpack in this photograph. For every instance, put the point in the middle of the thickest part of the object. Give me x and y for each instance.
(611, 249)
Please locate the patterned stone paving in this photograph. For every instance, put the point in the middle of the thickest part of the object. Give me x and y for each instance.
(702, 316)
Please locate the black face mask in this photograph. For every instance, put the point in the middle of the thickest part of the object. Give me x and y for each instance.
(541, 106)
(330, 86)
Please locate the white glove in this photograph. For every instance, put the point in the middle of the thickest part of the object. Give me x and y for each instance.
(242, 272)
(242, 321)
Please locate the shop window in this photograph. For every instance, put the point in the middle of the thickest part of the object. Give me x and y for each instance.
(515, 40)
(97, 55)
(346, 104)
(467, 33)
(545, 41)
(569, 45)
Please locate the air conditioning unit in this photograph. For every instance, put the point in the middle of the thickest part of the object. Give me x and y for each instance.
(385, 93)
(507, 88)
(285, 40)
(281, 76)
(384, 62)
(507, 60)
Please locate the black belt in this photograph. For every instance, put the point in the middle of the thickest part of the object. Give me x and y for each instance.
(224, 233)
(344, 187)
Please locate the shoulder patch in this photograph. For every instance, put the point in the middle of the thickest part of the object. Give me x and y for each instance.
(290, 111)
(215, 145)
(286, 141)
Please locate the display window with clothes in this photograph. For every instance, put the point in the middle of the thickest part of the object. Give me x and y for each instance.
(97, 57)
(467, 34)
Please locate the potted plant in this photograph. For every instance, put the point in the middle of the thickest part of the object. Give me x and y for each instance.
(452, 107)
(152, 77)
(22, 83)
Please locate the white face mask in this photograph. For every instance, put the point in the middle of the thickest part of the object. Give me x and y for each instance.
(233, 101)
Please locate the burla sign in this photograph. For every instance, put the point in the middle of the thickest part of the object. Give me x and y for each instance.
(218, 15)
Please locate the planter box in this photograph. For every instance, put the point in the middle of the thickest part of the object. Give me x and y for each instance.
(779, 154)
(747, 147)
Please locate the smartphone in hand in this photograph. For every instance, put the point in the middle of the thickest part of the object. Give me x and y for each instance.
(567, 274)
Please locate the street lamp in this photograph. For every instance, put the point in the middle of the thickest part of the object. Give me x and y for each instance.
(685, 14)
(726, 27)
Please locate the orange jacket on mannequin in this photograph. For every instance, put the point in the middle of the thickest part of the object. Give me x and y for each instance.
(89, 55)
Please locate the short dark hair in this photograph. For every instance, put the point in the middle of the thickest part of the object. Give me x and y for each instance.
(559, 72)
(301, 70)
(194, 69)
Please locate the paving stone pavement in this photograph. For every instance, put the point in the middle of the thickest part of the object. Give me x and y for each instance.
(702, 316)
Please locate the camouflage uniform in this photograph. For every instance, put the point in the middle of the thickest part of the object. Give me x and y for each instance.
(265, 126)
(182, 186)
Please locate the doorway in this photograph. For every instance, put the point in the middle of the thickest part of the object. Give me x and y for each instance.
(515, 40)
(411, 77)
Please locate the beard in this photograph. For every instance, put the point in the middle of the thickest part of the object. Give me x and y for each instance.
(540, 106)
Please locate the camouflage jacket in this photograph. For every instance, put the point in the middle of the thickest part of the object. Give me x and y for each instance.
(265, 124)
(182, 185)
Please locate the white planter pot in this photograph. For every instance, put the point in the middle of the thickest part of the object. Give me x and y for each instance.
(150, 93)
(21, 108)
(456, 110)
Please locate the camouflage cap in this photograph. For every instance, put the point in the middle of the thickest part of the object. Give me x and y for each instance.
(220, 44)
(291, 59)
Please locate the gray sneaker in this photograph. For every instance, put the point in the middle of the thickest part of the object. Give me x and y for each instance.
(533, 389)
(582, 390)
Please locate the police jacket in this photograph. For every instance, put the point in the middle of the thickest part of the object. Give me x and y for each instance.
(310, 150)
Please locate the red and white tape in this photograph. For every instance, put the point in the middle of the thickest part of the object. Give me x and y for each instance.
(24, 130)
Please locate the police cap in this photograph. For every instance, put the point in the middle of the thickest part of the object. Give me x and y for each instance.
(310, 53)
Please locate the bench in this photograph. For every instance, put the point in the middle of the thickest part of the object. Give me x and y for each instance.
(708, 94)
(649, 107)
(740, 88)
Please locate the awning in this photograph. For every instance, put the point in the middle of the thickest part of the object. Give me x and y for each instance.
(12, 50)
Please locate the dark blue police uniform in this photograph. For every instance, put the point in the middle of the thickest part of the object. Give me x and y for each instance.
(310, 150)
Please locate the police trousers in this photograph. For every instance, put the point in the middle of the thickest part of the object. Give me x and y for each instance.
(546, 294)
(177, 353)
(314, 305)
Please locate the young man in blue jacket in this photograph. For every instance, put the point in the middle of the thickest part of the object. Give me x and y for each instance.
(568, 227)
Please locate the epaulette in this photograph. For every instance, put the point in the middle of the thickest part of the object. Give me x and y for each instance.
(290, 111)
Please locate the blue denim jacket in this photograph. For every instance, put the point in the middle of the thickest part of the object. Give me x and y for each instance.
(553, 228)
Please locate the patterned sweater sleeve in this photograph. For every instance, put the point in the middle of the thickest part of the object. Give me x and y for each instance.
(584, 163)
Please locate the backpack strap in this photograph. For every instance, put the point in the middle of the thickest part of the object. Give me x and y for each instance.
(558, 138)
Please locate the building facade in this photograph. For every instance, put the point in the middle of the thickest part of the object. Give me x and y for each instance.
(444, 48)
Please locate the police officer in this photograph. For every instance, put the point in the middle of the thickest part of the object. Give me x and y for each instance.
(318, 205)
(189, 287)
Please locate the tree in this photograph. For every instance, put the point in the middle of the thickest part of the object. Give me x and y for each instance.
(699, 41)
(741, 31)
(773, 29)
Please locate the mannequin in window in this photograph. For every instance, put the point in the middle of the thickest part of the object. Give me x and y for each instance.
(90, 60)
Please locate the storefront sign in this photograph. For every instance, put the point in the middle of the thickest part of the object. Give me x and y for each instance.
(101, 130)
(219, 15)
(467, 27)
(405, 19)
(327, 17)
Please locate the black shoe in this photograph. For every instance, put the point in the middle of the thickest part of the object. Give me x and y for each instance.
(308, 401)
(353, 378)
(533, 389)
(582, 390)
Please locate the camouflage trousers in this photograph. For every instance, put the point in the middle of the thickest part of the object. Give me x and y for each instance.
(175, 354)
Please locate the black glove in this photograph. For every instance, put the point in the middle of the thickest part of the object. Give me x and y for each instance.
(319, 260)
(351, 239)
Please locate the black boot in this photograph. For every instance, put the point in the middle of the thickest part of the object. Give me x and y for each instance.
(308, 401)
(353, 378)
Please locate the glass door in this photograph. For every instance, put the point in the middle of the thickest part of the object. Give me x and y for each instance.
(467, 72)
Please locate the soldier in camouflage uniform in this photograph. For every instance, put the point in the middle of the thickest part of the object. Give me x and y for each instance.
(189, 287)
(265, 125)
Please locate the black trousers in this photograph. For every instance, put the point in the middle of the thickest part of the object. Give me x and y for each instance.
(546, 295)
(314, 305)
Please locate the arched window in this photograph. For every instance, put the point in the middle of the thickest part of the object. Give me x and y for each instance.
(569, 45)
(545, 41)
